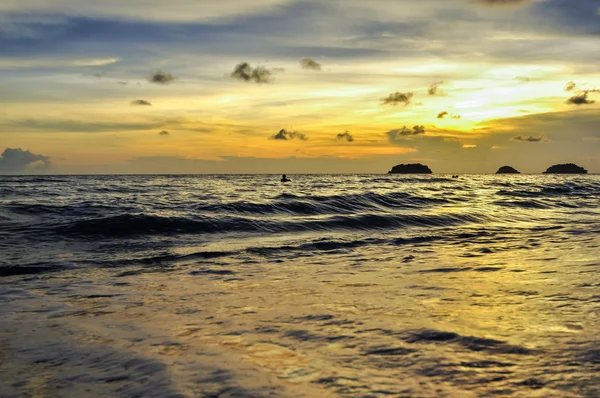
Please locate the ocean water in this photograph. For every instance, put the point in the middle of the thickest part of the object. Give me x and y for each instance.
(329, 286)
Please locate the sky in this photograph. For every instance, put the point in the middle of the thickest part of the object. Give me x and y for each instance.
(298, 86)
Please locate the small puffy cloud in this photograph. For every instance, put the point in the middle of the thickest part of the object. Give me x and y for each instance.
(141, 102)
(398, 134)
(456, 116)
(527, 139)
(344, 136)
(442, 115)
(397, 98)
(285, 135)
(434, 88)
(164, 133)
(16, 159)
(160, 77)
(581, 99)
(570, 86)
(311, 64)
(469, 146)
(243, 71)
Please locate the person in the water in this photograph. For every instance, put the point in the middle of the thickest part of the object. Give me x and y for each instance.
(285, 179)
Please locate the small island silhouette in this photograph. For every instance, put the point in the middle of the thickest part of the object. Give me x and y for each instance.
(567, 168)
(507, 170)
(415, 168)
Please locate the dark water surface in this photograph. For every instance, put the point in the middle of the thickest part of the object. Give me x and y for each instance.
(351, 286)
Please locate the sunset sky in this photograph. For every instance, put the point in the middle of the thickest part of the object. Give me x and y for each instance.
(154, 86)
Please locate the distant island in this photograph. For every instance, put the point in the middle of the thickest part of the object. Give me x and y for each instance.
(567, 168)
(507, 170)
(415, 168)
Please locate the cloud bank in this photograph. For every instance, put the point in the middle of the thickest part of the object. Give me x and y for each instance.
(16, 159)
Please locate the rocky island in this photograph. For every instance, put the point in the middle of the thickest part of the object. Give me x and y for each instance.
(567, 168)
(415, 168)
(507, 170)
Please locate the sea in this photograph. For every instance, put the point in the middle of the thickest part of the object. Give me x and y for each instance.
(326, 286)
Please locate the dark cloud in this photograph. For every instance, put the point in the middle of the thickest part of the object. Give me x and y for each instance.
(345, 136)
(398, 134)
(141, 102)
(581, 99)
(164, 132)
(442, 115)
(397, 98)
(160, 77)
(309, 63)
(456, 116)
(243, 71)
(285, 135)
(570, 86)
(503, 2)
(16, 159)
(527, 139)
(434, 88)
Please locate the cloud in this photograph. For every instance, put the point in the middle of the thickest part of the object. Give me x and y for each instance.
(141, 102)
(398, 134)
(503, 2)
(570, 86)
(442, 115)
(434, 88)
(309, 63)
(527, 139)
(581, 99)
(160, 77)
(285, 135)
(243, 71)
(345, 136)
(456, 116)
(467, 146)
(523, 79)
(16, 159)
(163, 133)
(397, 98)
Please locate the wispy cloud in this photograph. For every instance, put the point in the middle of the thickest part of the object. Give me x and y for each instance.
(398, 98)
(243, 71)
(523, 79)
(285, 135)
(311, 64)
(399, 134)
(16, 159)
(434, 88)
(160, 77)
(504, 2)
(527, 139)
(345, 136)
(141, 102)
(570, 86)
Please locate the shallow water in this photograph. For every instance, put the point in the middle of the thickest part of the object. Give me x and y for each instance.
(353, 286)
